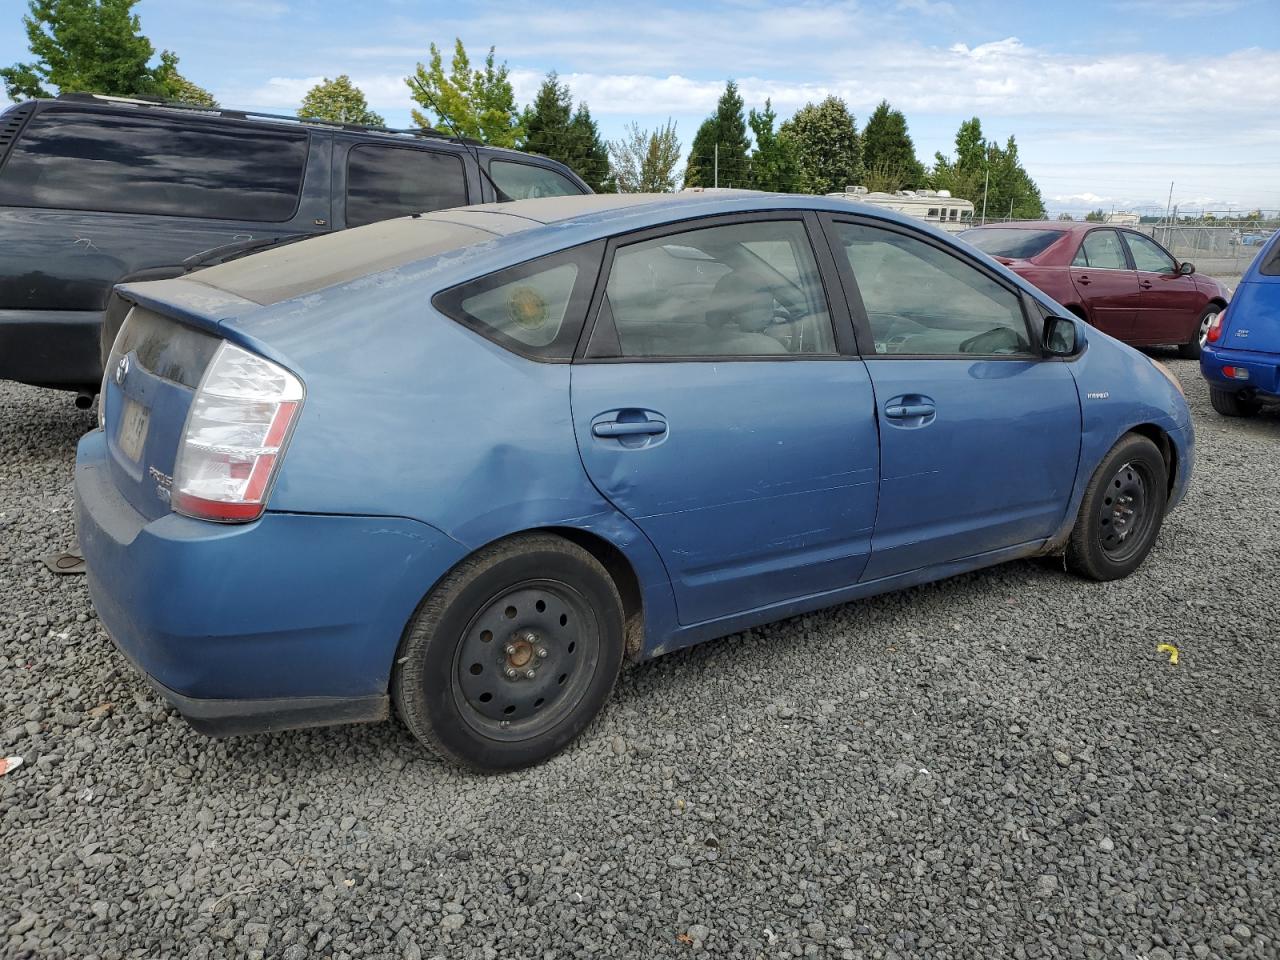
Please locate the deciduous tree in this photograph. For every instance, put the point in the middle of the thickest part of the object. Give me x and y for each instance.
(479, 103)
(645, 161)
(341, 101)
(828, 150)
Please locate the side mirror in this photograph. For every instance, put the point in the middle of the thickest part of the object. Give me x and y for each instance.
(1061, 337)
(1186, 268)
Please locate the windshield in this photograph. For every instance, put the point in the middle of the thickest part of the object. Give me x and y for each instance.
(1011, 242)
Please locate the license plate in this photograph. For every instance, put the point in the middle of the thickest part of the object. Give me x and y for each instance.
(133, 429)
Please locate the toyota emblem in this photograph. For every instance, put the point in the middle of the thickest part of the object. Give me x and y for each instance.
(122, 370)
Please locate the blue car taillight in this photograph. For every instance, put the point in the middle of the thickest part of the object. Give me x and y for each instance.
(235, 435)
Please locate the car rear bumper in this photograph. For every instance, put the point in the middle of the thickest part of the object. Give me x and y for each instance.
(51, 348)
(292, 620)
(1262, 370)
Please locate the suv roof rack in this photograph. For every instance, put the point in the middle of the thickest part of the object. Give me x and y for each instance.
(257, 115)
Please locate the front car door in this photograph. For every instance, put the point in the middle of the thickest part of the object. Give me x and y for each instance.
(979, 435)
(1169, 303)
(721, 406)
(1105, 279)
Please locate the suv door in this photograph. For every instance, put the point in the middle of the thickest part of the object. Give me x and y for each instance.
(979, 436)
(1106, 282)
(716, 409)
(1169, 303)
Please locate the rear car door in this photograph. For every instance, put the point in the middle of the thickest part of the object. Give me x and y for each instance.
(1107, 284)
(979, 436)
(720, 405)
(1169, 303)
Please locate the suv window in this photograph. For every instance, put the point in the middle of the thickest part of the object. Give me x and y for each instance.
(923, 301)
(521, 181)
(1101, 249)
(151, 163)
(739, 290)
(385, 182)
(1149, 256)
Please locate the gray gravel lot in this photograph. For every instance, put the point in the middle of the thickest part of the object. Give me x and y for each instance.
(1001, 765)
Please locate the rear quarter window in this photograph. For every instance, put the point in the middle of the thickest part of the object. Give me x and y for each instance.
(385, 182)
(524, 181)
(154, 163)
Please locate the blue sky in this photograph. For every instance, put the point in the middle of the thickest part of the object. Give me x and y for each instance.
(1110, 99)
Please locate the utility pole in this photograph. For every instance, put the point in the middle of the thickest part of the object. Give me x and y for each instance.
(717, 167)
(1010, 217)
(985, 183)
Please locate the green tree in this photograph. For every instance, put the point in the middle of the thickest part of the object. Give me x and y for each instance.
(1065, 216)
(645, 161)
(773, 161)
(1096, 216)
(984, 169)
(554, 129)
(93, 46)
(828, 150)
(341, 101)
(720, 145)
(479, 103)
(171, 85)
(888, 152)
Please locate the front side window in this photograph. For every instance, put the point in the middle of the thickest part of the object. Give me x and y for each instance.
(150, 162)
(385, 182)
(922, 301)
(739, 290)
(1149, 256)
(522, 181)
(1101, 250)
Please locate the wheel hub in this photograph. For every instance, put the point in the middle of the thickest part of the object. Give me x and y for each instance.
(1123, 512)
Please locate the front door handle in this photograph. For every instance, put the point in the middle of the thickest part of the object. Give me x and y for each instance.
(638, 428)
(903, 411)
(1145, 284)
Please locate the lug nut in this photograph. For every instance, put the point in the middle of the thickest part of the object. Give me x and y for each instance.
(510, 649)
(542, 653)
(511, 673)
(531, 674)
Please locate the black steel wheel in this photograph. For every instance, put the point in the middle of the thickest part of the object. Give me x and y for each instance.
(1122, 511)
(512, 654)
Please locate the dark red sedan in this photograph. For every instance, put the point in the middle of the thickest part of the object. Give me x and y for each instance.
(1121, 281)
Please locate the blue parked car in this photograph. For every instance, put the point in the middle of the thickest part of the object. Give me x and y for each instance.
(1241, 353)
(464, 463)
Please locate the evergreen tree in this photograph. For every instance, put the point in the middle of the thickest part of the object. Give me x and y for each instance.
(983, 169)
(888, 151)
(591, 160)
(479, 103)
(773, 161)
(341, 101)
(720, 145)
(554, 129)
(827, 147)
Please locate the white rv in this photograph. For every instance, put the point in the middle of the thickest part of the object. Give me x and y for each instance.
(936, 206)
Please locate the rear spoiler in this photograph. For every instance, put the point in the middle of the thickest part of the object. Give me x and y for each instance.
(186, 299)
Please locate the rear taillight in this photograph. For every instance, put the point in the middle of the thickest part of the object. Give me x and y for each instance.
(1214, 333)
(235, 435)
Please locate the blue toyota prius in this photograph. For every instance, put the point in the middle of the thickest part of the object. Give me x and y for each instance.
(462, 464)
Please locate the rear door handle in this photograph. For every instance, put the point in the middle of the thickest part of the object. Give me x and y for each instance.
(902, 411)
(1084, 280)
(639, 428)
(1145, 284)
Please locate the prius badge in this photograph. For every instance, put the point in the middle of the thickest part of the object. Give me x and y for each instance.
(1099, 394)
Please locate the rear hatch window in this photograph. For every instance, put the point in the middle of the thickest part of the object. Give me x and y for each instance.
(1012, 243)
(151, 377)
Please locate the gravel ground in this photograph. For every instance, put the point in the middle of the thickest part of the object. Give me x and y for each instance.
(1001, 765)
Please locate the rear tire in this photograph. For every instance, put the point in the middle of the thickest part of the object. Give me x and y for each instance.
(1191, 350)
(1122, 511)
(511, 655)
(1232, 404)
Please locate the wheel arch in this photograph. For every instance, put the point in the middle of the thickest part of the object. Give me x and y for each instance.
(622, 573)
(1168, 452)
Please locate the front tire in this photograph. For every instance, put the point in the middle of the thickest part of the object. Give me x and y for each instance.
(1191, 350)
(1232, 404)
(1122, 511)
(511, 655)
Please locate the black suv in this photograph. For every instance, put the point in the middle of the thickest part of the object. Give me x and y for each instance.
(95, 191)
